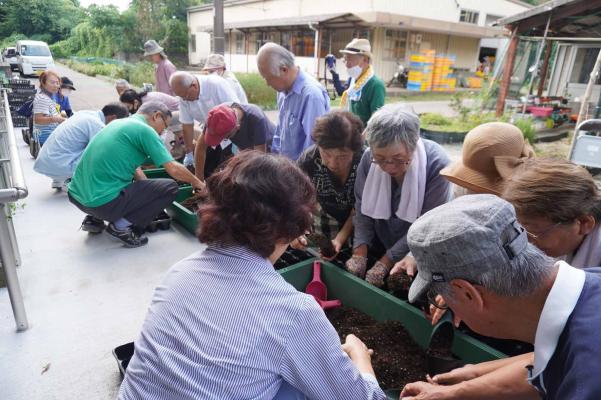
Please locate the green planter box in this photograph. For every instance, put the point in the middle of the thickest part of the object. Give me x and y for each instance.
(155, 173)
(382, 306)
(181, 214)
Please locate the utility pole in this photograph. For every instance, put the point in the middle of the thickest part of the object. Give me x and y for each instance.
(218, 31)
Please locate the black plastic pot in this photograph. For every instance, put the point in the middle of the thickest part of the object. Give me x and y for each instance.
(123, 355)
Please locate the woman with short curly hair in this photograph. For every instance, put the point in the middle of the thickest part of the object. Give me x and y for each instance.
(225, 325)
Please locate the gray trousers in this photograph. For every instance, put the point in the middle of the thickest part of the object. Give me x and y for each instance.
(139, 202)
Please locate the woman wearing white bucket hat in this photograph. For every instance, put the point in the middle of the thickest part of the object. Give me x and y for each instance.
(366, 91)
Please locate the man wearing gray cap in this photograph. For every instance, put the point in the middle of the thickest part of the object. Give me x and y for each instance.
(474, 253)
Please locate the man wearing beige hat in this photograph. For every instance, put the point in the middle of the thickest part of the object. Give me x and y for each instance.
(163, 67)
(366, 91)
(215, 64)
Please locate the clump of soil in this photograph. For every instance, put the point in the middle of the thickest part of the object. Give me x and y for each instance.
(325, 245)
(193, 202)
(397, 359)
(398, 285)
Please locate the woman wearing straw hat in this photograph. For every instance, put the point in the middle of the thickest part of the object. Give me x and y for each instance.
(164, 68)
(366, 91)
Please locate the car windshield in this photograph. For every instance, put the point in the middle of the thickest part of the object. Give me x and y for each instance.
(10, 52)
(39, 51)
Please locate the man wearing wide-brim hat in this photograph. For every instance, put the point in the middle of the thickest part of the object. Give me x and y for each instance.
(163, 67)
(366, 91)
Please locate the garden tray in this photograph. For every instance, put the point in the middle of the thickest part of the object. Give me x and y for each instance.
(181, 214)
(356, 293)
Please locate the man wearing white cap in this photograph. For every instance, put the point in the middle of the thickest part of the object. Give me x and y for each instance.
(215, 64)
(163, 67)
(366, 91)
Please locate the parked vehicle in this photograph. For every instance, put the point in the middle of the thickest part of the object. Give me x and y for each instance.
(33, 57)
(9, 55)
(400, 77)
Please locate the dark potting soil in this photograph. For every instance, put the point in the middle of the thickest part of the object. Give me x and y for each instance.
(397, 359)
(193, 202)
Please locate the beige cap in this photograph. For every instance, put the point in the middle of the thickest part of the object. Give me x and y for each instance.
(358, 46)
(214, 61)
(491, 153)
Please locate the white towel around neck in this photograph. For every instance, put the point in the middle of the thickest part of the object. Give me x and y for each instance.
(589, 252)
(377, 192)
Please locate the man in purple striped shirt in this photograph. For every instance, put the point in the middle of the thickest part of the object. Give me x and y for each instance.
(225, 325)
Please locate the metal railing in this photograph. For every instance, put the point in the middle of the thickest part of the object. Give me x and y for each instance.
(12, 189)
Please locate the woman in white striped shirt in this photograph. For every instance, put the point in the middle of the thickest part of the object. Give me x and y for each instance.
(225, 325)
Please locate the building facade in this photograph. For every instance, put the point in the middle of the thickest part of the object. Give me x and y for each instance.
(311, 29)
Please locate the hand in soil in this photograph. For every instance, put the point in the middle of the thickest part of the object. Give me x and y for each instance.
(325, 245)
(407, 265)
(377, 274)
(427, 391)
(192, 202)
(399, 284)
(356, 265)
(300, 243)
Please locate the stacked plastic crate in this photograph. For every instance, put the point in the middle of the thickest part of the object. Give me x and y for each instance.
(420, 71)
(19, 91)
(442, 79)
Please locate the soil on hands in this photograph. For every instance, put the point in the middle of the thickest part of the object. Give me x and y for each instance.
(397, 359)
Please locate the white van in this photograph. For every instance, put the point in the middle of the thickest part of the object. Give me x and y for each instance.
(33, 57)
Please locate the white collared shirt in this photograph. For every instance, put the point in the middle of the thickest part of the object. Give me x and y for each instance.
(558, 307)
(214, 90)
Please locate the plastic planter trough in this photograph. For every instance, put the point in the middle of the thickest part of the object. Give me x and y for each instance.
(181, 214)
(156, 173)
(356, 293)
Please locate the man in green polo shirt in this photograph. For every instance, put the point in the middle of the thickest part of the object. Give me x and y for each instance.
(102, 184)
(366, 91)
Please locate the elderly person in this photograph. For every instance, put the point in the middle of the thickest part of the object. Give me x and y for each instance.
(163, 67)
(215, 64)
(301, 99)
(366, 92)
(61, 98)
(398, 180)
(246, 125)
(475, 254)
(490, 154)
(198, 94)
(133, 100)
(331, 164)
(224, 316)
(121, 85)
(559, 204)
(46, 115)
(102, 184)
(63, 149)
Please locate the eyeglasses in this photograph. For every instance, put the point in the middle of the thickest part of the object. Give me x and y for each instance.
(164, 122)
(431, 296)
(544, 232)
(394, 162)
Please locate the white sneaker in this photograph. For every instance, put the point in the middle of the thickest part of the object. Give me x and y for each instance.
(189, 159)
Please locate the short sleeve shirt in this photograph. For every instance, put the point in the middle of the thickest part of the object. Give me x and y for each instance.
(43, 104)
(214, 90)
(255, 128)
(109, 162)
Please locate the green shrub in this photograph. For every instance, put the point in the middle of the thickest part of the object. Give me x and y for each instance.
(257, 90)
(434, 119)
(527, 127)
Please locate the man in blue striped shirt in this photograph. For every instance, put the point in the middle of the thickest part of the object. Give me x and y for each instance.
(301, 100)
(225, 325)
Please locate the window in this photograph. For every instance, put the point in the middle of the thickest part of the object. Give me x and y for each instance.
(239, 43)
(583, 65)
(35, 51)
(395, 45)
(302, 43)
(469, 16)
(193, 43)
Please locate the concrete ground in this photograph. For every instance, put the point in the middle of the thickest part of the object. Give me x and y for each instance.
(84, 294)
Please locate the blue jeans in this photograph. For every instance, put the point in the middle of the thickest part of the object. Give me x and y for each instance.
(289, 392)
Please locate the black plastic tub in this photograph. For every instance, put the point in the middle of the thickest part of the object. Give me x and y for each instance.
(123, 355)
